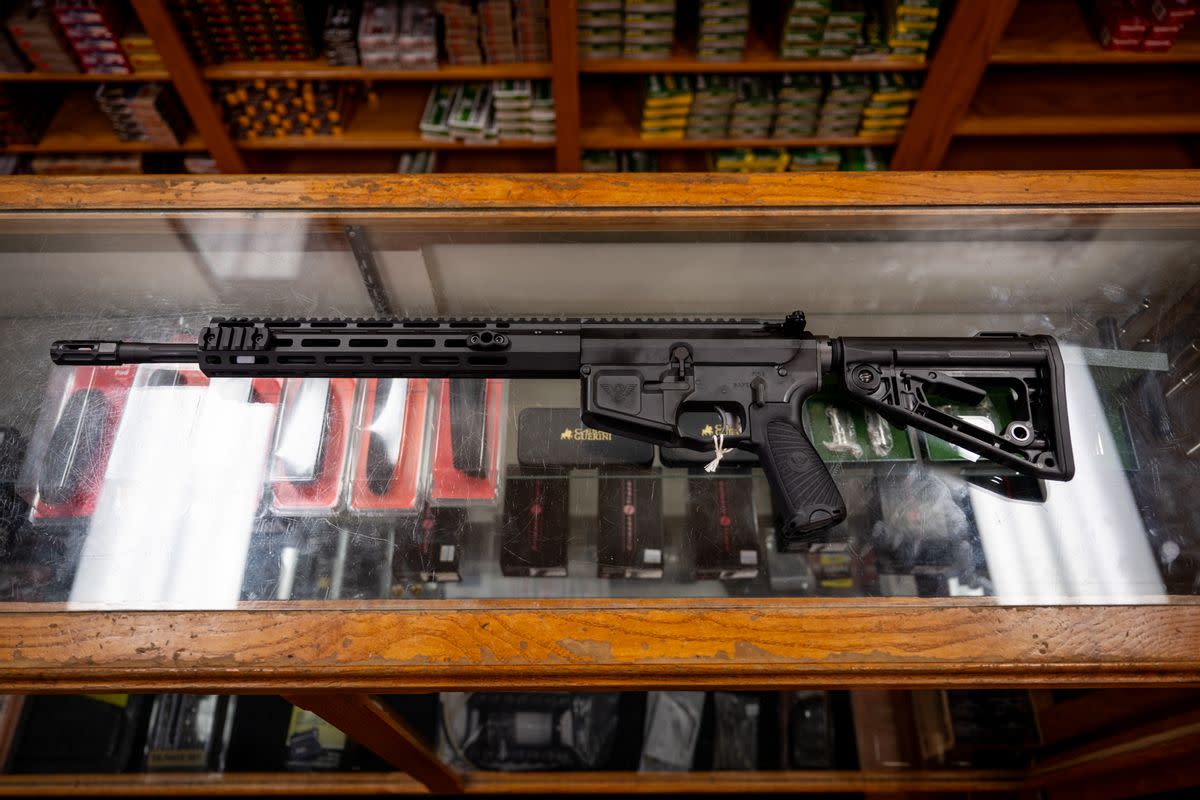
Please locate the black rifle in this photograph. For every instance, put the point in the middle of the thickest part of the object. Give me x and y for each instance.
(654, 379)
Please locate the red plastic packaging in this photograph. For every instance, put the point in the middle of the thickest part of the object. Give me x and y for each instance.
(113, 383)
(1174, 10)
(404, 492)
(323, 493)
(450, 485)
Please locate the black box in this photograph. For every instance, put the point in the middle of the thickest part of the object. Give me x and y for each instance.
(533, 529)
(723, 525)
(992, 728)
(364, 572)
(541, 730)
(187, 732)
(79, 733)
(555, 437)
(812, 732)
(630, 541)
(265, 560)
(314, 564)
(736, 717)
(258, 735)
(429, 546)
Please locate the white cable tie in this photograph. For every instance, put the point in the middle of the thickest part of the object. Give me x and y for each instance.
(720, 451)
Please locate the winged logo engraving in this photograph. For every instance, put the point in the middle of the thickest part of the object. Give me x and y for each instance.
(618, 393)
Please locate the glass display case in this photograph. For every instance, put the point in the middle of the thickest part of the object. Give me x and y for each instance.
(154, 487)
(329, 538)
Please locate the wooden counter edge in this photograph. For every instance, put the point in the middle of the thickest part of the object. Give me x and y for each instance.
(391, 783)
(770, 644)
(654, 192)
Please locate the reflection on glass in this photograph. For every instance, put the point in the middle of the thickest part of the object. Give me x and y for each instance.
(178, 498)
(1088, 539)
(157, 488)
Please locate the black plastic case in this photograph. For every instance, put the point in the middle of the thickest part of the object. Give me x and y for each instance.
(533, 528)
(630, 524)
(555, 437)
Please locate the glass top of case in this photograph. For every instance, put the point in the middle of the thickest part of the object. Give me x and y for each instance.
(154, 486)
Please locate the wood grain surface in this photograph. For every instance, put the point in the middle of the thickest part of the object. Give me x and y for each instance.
(1058, 32)
(1068, 101)
(646, 195)
(563, 644)
(564, 61)
(1080, 715)
(194, 92)
(385, 733)
(319, 69)
(389, 783)
(1129, 749)
(971, 34)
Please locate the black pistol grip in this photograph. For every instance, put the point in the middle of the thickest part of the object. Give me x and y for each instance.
(808, 499)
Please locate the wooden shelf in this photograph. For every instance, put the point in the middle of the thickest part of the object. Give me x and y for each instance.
(611, 121)
(613, 140)
(383, 140)
(82, 77)
(366, 162)
(1096, 101)
(378, 783)
(1027, 91)
(80, 126)
(1079, 124)
(320, 70)
(1056, 32)
(1071, 152)
(685, 63)
(761, 56)
(480, 160)
(394, 125)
